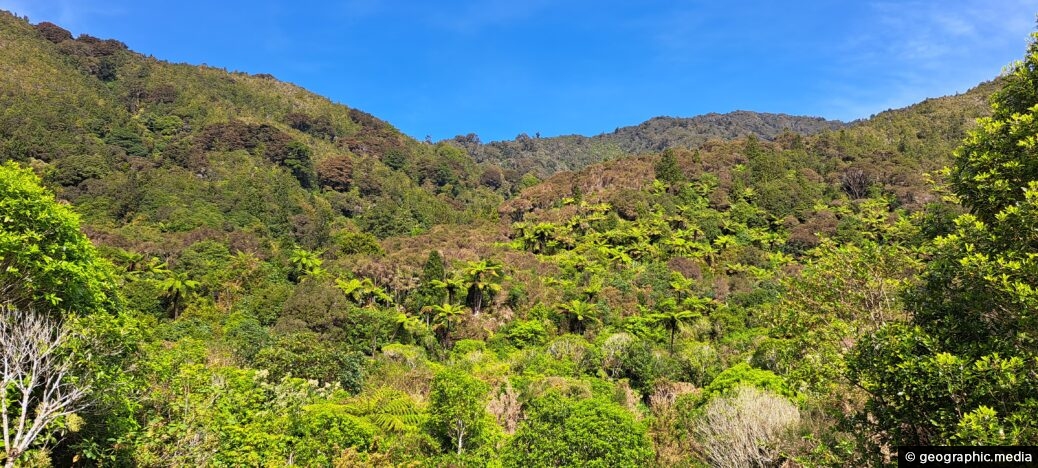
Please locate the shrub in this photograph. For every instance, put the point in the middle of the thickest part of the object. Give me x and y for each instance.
(590, 432)
(745, 429)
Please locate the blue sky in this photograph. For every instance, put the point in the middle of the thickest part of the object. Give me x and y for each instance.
(501, 67)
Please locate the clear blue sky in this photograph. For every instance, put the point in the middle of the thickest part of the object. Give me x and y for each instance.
(501, 67)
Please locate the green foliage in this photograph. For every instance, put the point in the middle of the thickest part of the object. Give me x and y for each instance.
(996, 160)
(325, 430)
(742, 374)
(526, 333)
(391, 411)
(974, 340)
(843, 292)
(937, 397)
(667, 170)
(129, 140)
(578, 314)
(252, 212)
(176, 289)
(589, 432)
(45, 261)
(304, 355)
(227, 416)
(484, 282)
(457, 414)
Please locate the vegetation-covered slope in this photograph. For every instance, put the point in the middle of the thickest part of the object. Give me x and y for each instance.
(283, 280)
(543, 157)
(111, 127)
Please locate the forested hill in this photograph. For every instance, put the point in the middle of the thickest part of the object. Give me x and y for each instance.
(897, 153)
(546, 156)
(249, 274)
(132, 140)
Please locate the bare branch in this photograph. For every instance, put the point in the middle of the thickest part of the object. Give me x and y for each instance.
(36, 389)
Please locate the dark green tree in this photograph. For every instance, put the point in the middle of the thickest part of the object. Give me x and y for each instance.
(667, 169)
(429, 292)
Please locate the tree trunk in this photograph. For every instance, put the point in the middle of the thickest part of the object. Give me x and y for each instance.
(461, 434)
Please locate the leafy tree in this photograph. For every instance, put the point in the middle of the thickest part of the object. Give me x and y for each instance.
(336, 173)
(433, 274)
(673, 319)
(526, 333)
(176, 288)
(742, 374)
(324, 430)
(304, 355)
(452, 286)
(390, 410)
(484, 280)
(842, 294)
(578, 314)
(363, 291)
(976, 331)
(590, 432)
(667, 169)
(457, 411)
(53, 32)
(45, 261)
(306, 263)
(446, 315)
(76, 328)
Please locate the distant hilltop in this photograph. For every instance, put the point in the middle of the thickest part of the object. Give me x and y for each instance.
(546, 156)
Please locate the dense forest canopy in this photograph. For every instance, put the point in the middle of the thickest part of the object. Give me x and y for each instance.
(212, 268)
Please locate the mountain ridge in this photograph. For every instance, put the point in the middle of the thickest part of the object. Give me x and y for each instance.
(546, 156)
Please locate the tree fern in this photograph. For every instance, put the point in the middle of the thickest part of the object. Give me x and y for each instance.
(388, 409)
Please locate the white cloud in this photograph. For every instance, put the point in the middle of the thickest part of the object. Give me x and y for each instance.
(903, 52)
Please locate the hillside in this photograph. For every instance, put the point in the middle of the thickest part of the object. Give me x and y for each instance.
(135, 141)
(897, 153)
(546, 156)
(239, 272)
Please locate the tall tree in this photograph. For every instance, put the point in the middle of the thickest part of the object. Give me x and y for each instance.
(445, 316)
(484, 280)
(578, 313)
(673, 319)
(965, 372)
(177, 287)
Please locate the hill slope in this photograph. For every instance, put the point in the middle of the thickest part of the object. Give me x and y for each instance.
(300, 284)
(132, 140)
(895, 153)
(546, 156)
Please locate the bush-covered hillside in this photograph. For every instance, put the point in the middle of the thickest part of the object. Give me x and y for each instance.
(542, 157)
(223, 270)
